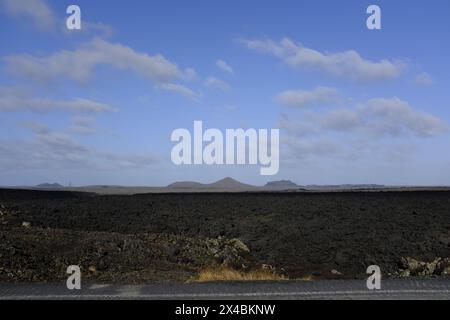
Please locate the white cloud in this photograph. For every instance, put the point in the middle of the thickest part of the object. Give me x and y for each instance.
(88, 28)
(80, 64)
(37, 11)
(56, 150)
(82, 125)
(382, 117)
(302, 98)
(348, 64)
(395, 116)
(424, 79)
(180, 89)
(340, 120)
(215, 83)
(375, 118)
(21, 102)
(36, 127)
(224, 66)
(297, 127)
(42, 16)
(377, 124)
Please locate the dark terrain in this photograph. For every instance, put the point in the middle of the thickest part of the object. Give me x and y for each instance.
(170, 237)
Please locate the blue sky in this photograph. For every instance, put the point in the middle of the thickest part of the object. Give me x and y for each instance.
(98, 106)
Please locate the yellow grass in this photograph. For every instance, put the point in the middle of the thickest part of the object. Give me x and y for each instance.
(307, 278)
(227, 274)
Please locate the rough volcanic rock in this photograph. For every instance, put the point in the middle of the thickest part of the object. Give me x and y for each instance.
(413, 267)
(168, 237)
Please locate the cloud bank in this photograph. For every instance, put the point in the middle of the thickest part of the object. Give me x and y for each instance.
(35, 10)
(364, 129)
(303, 98)
(347, 64)
(79, 64)
(11, 101)
(224, 66)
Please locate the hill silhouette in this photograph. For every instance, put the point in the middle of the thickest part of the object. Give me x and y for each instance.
(282, 184)
(227, 184)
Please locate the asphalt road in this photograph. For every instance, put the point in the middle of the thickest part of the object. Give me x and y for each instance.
(286, 290)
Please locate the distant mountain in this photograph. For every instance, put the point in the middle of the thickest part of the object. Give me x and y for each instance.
(49, 186)
(186, 185)
(282, 184)
(227, 184)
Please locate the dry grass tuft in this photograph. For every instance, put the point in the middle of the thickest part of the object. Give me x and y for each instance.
(308, 277)
(227, 274)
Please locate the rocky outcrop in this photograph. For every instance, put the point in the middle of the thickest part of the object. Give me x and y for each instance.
(413, 267)
(201, 252)
(32, 253)
(229, 252)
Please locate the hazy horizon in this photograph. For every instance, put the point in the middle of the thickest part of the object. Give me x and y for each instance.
(206, 182)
